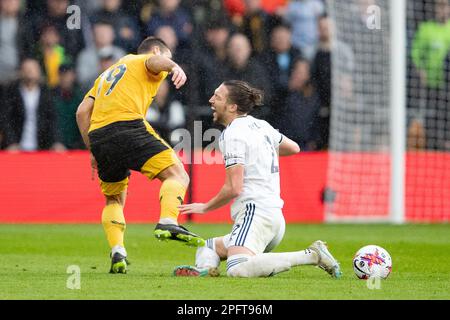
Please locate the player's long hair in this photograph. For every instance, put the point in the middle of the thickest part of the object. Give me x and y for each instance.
(244, 95)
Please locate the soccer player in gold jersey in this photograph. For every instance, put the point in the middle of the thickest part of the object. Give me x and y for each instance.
(111, 121)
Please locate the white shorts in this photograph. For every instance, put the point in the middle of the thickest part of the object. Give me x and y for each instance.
(258, 229)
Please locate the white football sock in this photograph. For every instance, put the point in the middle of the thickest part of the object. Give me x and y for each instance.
(268, 264)
(119, 249)
(167, 221)
(298, 258)
(206, 257)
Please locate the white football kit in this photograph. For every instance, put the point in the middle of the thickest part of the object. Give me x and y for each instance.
(258, 220)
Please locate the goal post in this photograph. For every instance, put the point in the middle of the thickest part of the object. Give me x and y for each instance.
(398, 109)
(389, 148)
(358, 182)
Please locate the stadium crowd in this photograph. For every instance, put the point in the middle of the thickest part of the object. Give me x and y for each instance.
(283, 47)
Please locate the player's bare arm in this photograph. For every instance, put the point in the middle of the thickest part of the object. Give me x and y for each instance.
(159, 63)
(232, 188)
(288, 147)
(83, 115)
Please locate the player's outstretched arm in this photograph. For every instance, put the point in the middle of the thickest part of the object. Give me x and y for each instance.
(158, 63)
(234, 181)
(288, 147)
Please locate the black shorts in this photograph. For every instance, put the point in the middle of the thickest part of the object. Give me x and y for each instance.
(124, 145)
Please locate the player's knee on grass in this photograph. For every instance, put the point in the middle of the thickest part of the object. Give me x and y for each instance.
(206, 257)
(220, 247)
(238, 266)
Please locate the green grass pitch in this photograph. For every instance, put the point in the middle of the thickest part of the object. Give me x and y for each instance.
(35, 259)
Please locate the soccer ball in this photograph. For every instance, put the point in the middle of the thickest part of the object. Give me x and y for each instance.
(372, 261)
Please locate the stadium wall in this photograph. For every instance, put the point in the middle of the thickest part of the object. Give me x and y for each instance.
(47, 187)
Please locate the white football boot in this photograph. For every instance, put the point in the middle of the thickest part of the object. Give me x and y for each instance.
(326, 261)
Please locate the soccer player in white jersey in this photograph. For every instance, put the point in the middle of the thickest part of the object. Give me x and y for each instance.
(250, 148)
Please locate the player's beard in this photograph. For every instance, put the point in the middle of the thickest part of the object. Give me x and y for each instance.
(216, 117)
(219, 119)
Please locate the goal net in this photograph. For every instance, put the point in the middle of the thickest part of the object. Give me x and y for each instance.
(362, 131)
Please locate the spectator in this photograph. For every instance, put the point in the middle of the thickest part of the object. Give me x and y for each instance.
(106, 57)
(2, 118)
(235, 10)
(30, 118)
(56, 15)
(361, 83)
(209, 68)
(273, 6)
(170, 13)
(447, 75)
(430, 47)
(166, 113)
(88, 61)
(241, 66)
(15, 39)
(279, 61)
(127, 35)
(88, 7)
(321, 68)
(133, 8)
(51, 54)
(357, 135)
(321, 78)
(447, 104)
(209, 60)
(15, 45)
(169, 36)
(203, 11)
(67, 97)
(257, 25)
(184, 58)
(35, 7)
(303, 16)
(298, 121)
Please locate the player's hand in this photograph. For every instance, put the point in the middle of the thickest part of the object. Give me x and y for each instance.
(192, 208)
(178, 76)
(93, 166)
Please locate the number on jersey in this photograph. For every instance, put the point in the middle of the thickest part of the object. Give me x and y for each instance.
(112, 77)
(273, 168)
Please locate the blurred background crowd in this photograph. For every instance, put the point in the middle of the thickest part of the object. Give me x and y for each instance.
(283, 47)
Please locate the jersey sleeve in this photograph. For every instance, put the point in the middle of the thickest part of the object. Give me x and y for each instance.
(277, 137)
(274, 135)
(234, 150)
